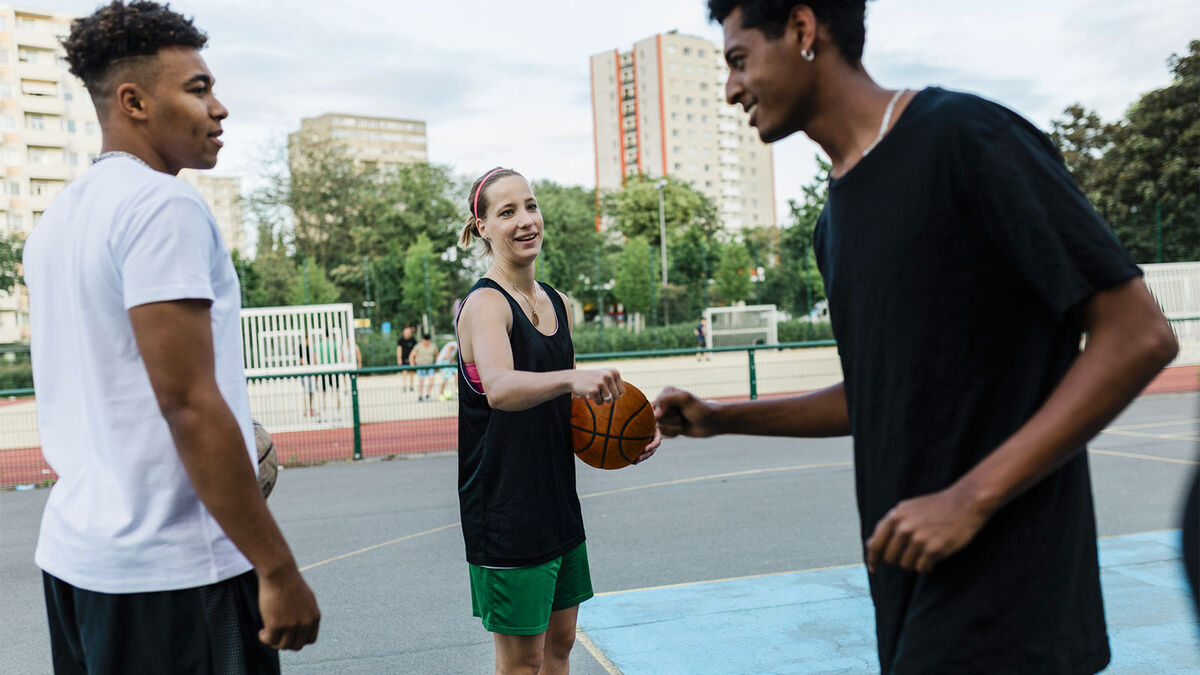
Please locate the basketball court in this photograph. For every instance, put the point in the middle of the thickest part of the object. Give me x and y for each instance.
(731, 555)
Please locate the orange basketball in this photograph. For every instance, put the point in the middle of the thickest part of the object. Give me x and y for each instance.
(612, 435)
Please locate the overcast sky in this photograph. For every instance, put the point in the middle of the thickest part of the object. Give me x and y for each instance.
(506, 83)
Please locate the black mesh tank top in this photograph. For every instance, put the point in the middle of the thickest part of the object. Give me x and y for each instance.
(516, 470)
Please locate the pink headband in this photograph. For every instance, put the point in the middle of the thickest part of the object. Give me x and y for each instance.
(475, 205)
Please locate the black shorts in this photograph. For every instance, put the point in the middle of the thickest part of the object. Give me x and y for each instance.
(209, 629)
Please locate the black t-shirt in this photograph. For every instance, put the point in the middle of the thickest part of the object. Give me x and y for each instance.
(406, 345)
(956, 258)
(516, 470)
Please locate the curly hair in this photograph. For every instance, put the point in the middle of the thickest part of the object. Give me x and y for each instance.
(846, 19)
(118, 36)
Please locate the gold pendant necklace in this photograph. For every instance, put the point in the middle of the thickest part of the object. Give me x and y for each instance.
(533, 305)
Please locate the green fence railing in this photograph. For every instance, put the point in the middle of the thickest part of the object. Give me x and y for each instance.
(319, 416)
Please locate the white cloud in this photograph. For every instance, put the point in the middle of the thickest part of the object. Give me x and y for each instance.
(507, 83)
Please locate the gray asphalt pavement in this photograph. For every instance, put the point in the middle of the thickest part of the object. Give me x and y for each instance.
(381, 549)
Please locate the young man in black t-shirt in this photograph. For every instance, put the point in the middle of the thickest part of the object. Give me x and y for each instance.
(961, 265)
(404, 347)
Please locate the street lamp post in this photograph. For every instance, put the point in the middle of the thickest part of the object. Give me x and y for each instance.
(662, 240)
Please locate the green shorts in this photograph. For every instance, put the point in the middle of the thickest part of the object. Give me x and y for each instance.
(519, 601)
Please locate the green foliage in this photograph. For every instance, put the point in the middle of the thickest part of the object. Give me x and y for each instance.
(803, 331)
(16, 376)
(634, 276)
(377, 349)
(591, 340)
(693, 259)
(269, 280)
(733, 274)
(1144, 169)
(10, 258)
(419, 258)
(310, 286)
(635, 209)
(790, 284)
(571, 243)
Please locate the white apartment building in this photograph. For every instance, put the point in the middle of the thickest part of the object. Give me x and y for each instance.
(48, 130)
(370, 141)
(659, 109)
(224, 197)
(49, 136)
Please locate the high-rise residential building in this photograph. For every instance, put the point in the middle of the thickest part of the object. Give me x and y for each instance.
(49, 131)
(224, 196)
(659, 109)
(50, 135)
(370, 141)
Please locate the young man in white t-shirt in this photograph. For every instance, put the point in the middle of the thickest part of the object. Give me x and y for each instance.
(158, 551)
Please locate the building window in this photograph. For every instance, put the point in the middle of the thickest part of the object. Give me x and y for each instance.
(689, 100)
(68, 96)
(35, 122)
(3, 54)
(90, 127)
(678, 166)
(674, 132)
(6, 123)
(26, 55)
(72, 158)
(70, 124)
(14, 222)
(687, 51)
(12, 188)
(700, 53)
(690, 116)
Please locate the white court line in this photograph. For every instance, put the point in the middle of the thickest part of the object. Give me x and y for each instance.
(697, 479)
(1181, 436)
(1151, 425)
(1152, 458)
(597, 653)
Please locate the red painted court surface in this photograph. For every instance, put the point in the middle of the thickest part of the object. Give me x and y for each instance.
(22, 466)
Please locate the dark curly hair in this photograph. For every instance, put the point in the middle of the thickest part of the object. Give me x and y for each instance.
(846, 19)
(118, 38)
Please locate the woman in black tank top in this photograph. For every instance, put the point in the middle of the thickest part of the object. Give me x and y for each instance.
(516, 469)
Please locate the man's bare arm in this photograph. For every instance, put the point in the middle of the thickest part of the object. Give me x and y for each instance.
(1129, 341)
(175, 341)
(818, 414)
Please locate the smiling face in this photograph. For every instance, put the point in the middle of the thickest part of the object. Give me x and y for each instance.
(512, 223)
(769, 77)
(183, 116)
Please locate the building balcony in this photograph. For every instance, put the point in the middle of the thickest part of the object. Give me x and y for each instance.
(38, 203)
(49, 105)
(42, 39)
(54, 171)
(46, 138)
(48, 72)
(731, 191)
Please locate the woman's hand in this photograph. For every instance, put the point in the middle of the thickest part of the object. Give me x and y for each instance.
(600, 385)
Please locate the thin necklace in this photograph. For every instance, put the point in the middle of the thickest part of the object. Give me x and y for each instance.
(121, 153)
(887, 119)
(532, 304)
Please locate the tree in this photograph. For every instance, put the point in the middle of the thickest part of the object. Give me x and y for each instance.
(310, 286)
(634, 276)
(693, 262)
(733, 274)
(10, 258)
(269, 280)
(635, 209)
(418, 260)
(798, 279)
(1141, 173)
(567, 260)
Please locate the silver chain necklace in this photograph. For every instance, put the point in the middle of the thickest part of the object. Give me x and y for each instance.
(887, 119)
(121, 153)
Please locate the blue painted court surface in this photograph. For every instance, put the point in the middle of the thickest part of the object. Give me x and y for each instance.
(821, 621)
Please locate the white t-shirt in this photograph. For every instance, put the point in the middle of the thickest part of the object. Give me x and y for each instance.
(123, 517)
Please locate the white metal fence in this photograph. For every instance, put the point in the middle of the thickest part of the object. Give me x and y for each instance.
(1176, 287)
(299, 341)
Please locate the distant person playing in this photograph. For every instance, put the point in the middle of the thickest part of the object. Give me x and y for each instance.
(158, 551)
(424, 354)
(961, 265)
(521, 520)
(447, 359)
(404, 347)
(701, 334)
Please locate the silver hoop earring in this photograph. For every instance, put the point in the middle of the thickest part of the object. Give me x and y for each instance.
(807, 54)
